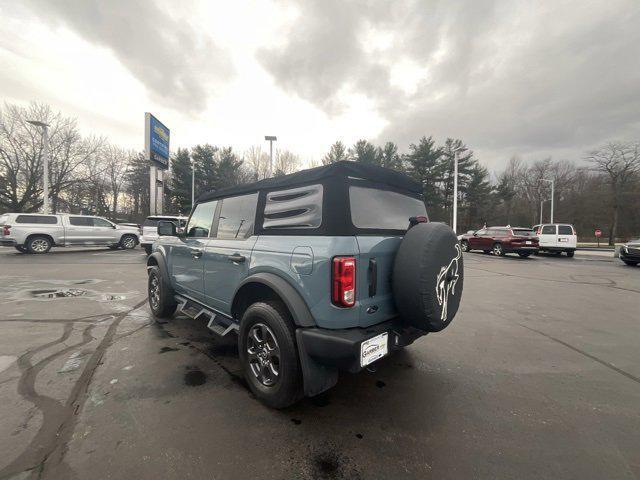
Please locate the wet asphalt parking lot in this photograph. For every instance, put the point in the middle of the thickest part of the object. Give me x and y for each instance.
(537, 377)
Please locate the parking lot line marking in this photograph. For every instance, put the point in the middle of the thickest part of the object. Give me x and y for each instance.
(588, 355)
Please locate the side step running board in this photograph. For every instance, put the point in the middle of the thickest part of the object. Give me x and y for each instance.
(217, 323)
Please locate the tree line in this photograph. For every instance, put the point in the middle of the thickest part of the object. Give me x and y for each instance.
(87, 174)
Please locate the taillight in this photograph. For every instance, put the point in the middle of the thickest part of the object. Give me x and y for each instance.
(343, 289)
(6, 230)
(538, 231)
(573, 230)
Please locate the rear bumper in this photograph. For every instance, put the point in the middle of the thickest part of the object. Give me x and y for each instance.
(340, 349)
(7, 242)
(518, 248)
(558, 249)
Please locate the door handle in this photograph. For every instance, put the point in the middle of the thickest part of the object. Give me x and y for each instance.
(237, 258)
(195, 252)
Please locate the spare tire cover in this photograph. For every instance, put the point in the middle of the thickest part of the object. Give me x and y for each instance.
(428, 276)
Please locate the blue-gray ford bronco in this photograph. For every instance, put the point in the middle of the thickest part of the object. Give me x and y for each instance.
(325, 270)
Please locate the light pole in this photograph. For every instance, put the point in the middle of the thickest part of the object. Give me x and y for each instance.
(552, 194)
(541, 204)
(193, 182)
(45, 161)
(270, 139)
(455, 188)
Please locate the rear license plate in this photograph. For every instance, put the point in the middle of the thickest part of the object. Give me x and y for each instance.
(528, 242)
(562, 239)
(373, 349)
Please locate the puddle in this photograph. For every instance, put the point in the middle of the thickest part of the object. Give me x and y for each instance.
(66, 293)
(195, 377)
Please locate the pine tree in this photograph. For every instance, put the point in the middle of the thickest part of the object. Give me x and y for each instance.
(389, 156)
(229, 167)
(365, 152)
(423, 163)
(337, 152)
(181, 180)
(204, 158)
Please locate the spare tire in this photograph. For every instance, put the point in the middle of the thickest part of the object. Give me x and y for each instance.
(428, 277)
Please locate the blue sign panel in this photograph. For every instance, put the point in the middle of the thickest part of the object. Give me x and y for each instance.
(158, 141)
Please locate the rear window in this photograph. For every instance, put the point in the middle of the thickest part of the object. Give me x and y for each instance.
(523, 232)
(153, 222)
(41, 219)
(382, 209)
(549, 230)
(565, 230)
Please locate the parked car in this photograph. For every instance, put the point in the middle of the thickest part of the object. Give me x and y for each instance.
(150, 229)
(321, 271)
(501, 240)
(557, 238)
(37, 233)
(630, 252)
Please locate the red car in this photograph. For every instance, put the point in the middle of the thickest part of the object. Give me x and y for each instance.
(501, 240)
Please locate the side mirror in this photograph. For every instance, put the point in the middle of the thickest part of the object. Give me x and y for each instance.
(114, 226)
(475, 234)
(167, 229)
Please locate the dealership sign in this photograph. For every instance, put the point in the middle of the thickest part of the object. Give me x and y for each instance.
(156, 141)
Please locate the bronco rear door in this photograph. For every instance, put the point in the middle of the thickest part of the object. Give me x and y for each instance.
(381, 217)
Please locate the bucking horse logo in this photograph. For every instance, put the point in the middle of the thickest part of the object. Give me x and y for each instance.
(446, 282)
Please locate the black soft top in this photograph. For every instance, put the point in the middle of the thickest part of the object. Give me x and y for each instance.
(338, 170)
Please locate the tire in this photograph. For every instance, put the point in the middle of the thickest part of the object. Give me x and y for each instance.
(148, 249)
(631, 263)
(464, 246)
(128, 242)
(570, 253)
(498, 250)
(266, 325)
(38, 244)
(161, 301)
(20, 248)
(524, 254)
(428, 277)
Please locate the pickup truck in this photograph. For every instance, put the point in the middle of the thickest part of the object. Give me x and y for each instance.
(37, 233)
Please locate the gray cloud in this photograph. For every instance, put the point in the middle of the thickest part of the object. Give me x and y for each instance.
(511, 77)
(176, 65)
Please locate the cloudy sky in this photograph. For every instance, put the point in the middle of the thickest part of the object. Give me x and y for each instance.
(529, 78)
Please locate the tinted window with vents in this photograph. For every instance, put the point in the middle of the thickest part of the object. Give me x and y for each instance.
(294, 208)
(40, 219)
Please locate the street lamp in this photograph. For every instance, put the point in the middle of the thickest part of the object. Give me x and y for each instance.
(552, 194)
(455, 188)
(270, 139)
(193, 182)
(45, 161)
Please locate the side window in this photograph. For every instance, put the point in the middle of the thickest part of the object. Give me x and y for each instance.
(40, 219)
(81, 221)
(101, 222)
(565, 230)
(549, 230)
(482, 232)
(201, 220)
(237, 217)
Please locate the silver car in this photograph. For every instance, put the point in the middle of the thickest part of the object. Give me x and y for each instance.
(37, 233)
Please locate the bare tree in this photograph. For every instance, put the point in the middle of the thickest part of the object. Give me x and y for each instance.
(21, 162)
(258, 162)
(117, 161)
(286, 162)
(620, 162)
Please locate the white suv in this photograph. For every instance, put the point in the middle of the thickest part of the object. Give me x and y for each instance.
(150, 229)
(557, 237)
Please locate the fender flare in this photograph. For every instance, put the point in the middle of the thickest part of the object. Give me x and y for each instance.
(292, 299)
(158, 259)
